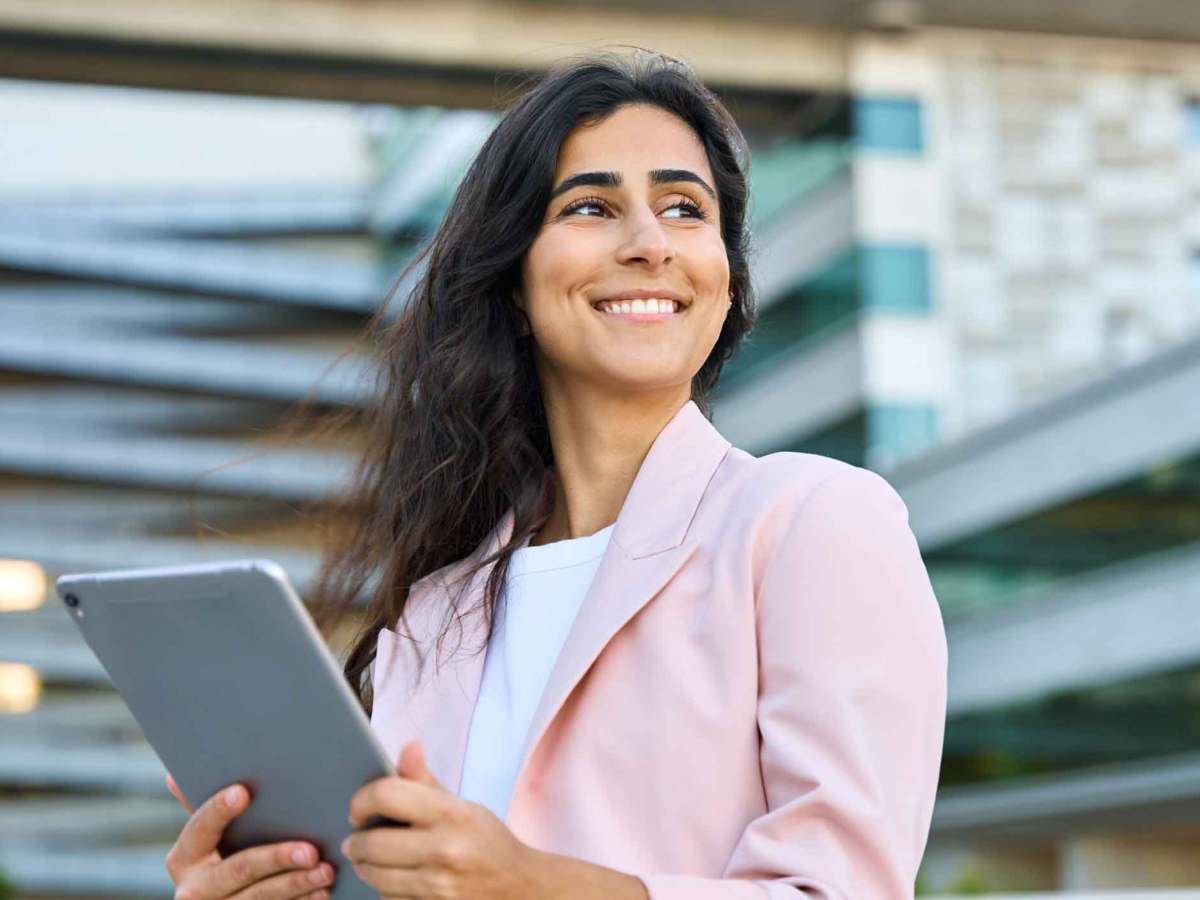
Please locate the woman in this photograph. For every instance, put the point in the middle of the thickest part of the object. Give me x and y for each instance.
(661, 667)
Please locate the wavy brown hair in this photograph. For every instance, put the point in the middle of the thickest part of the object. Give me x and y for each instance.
(456, 434)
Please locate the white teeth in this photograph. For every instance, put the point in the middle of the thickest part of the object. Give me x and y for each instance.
(635, 307)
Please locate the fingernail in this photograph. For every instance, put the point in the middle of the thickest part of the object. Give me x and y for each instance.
(231, 796)
(300, 856)
(346, 847)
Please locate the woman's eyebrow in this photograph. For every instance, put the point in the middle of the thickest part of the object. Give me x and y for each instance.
(667, 176)
(613, 179)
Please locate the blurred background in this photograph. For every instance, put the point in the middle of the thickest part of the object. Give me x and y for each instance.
(978, 227)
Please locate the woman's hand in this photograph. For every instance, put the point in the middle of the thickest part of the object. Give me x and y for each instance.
(452, 849)
(267, 872)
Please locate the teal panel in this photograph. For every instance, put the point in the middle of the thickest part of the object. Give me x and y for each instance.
(901, 431)
(888, 125)
(1193, 123)
(785, 173)
(894, 277)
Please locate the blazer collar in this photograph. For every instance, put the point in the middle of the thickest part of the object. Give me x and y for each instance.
(646, 548)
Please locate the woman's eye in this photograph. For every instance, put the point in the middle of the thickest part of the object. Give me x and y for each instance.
(586, 204)
(690, 209)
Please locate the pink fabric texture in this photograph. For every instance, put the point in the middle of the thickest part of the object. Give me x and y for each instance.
(751, 702)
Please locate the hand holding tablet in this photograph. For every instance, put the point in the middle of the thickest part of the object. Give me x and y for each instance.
(285, 870)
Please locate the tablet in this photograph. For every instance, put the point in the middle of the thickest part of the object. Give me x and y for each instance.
(230, 681)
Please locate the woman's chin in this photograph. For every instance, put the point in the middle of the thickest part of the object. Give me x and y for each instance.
(635, 379)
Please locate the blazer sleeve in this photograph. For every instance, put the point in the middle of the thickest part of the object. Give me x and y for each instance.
(851, 707)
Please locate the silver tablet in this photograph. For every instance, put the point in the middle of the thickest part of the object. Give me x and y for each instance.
(230, 681)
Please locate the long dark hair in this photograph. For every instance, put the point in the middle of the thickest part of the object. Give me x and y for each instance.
(457, 432)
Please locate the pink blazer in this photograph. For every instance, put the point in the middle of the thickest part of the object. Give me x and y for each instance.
(751, 700)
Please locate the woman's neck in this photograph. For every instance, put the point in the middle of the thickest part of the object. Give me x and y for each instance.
(598, 451)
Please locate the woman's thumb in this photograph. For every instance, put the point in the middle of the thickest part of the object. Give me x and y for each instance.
(412, 765)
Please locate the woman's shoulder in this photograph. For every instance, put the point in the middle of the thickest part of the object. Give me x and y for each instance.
(762, 505)
(806, 512)
(789, 478)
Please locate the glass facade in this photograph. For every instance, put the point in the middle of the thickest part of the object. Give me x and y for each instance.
(1157, 510)
(803, 317)
(1152, 716)
(784, 171)
(891, 278)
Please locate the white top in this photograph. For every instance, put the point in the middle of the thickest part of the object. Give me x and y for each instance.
(544, 590)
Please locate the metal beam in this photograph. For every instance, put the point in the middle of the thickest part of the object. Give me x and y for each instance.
(1064, 635)
(107, 871)
(134, 767)
(60, 550)
(429, 168)
(213, 266)
(804, 239)
(461, 53)
(84, 821)
(819, 384)
(1057, 450)
(203, 465)
(332, 209)
(85, 714)
(84, 307)
(224, 367)
(82, 510)
(1147, 792)
(451, 53)
(92, 408)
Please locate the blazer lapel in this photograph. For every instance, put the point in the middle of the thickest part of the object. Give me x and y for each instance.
(622, 585)
(438, 710)
(646, 549)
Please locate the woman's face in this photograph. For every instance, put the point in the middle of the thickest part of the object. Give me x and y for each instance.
(633, 209)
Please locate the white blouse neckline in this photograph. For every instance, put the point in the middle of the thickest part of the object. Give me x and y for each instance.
(562, 554)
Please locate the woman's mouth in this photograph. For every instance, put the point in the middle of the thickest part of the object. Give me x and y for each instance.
(651, 310)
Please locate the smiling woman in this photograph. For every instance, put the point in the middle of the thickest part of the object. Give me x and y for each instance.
(674, 670)
(615, 180)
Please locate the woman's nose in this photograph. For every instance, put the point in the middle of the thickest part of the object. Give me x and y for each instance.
(645, 240)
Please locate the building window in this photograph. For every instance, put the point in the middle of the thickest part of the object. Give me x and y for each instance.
(894, 277)
(1192, 128)
(888, 124)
